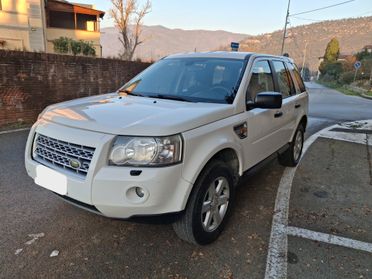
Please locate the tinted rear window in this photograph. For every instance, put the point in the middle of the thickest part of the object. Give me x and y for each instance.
(297, 76)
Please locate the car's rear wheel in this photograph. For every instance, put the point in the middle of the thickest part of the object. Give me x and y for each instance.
(291, 157)
(209, 205)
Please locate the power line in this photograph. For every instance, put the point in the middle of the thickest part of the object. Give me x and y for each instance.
(318, 9)
(365, 13)
(297, 48)
(308, 19)
(301, 13)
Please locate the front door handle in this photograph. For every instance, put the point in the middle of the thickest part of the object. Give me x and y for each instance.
(278, 114)
(297, 106)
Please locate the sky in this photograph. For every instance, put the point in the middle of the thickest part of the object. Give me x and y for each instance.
(240, 16)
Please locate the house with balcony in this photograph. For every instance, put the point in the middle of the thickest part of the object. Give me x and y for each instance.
(32, 25)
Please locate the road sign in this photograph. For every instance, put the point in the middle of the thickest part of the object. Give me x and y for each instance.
(234, 46)
(357, 65)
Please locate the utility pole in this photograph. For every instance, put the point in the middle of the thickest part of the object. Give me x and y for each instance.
(303, 61)
(285, 27)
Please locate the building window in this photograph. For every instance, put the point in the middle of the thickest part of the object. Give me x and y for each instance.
(86, 22)
(72, 21)
(61, 20)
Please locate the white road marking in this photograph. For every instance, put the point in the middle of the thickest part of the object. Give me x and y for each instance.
(18, 251)
(330, 239)
(344, 136)
(14, 131)
(276, 264)
(54, 253)
(35, 236)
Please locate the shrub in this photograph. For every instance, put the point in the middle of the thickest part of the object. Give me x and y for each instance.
(347, 78)
(327, 78)
(61, 45)
(87, 48)
(66, 45)
(364, 55)
(75, 47)
(332, 70)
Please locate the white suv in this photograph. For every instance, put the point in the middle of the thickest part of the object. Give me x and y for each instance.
(173, 140)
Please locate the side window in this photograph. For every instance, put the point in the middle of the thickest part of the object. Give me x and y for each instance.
(296, 74)
(261, 79)
(285, 82)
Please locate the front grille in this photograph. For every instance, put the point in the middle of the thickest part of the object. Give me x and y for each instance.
(71, 157)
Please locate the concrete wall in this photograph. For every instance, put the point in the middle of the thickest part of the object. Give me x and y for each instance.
(31, 81)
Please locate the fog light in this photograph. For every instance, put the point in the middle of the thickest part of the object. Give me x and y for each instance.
(140, 192)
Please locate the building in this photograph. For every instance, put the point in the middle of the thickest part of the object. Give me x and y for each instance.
(75, 21)
(367, 48)
(32, 25)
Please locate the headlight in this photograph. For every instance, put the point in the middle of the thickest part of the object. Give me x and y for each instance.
(146, 151)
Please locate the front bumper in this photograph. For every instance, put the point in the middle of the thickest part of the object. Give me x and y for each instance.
(108, 188)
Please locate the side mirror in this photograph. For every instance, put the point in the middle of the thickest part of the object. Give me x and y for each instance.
(267, 100)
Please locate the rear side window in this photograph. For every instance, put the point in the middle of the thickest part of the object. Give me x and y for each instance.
(300, 84)
(261, 79)
(285, 82)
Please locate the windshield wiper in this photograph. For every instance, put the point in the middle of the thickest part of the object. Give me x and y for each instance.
(129, 92)
(170, 97)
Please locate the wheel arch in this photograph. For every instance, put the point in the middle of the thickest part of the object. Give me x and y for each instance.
(227, 154)
(303, 122)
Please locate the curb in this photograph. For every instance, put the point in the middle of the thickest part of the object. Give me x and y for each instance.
(13, 131)
(365, 96)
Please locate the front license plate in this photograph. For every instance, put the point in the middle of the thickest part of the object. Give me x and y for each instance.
(51, 180)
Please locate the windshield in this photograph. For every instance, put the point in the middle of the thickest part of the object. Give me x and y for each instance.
(189, 79)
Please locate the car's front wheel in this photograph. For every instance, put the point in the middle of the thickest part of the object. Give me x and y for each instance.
(209, 205)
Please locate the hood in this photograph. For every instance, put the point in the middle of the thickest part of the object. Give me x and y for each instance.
(131, 115)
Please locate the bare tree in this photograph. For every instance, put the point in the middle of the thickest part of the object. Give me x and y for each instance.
(128, 17)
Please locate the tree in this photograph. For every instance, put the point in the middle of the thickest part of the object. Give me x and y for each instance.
(332, 51)
(364, 54)
(331, 55)
(129, 20)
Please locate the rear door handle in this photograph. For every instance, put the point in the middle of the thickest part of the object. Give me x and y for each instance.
(278, 114)
(297, 106)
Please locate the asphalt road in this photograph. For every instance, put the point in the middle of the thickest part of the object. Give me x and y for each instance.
(329, 107)
(34, 222)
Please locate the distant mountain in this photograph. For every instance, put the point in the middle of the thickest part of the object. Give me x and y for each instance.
(160, 41)
(353, 34)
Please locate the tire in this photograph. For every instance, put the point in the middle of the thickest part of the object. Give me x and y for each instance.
(291, 157)
(190, 226)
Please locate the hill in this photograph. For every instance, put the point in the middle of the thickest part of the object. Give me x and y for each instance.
(353, 34)
(160, 41)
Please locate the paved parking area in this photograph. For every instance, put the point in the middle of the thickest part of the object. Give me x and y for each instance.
(91, 246)
(332, 194)
(327, 234)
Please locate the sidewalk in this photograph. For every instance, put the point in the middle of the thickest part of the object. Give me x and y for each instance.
(332, 196)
